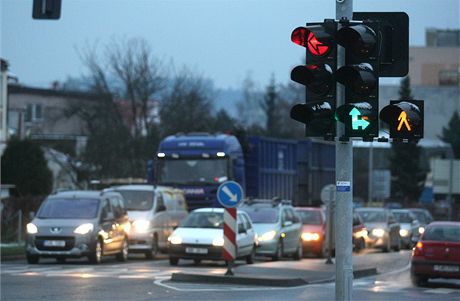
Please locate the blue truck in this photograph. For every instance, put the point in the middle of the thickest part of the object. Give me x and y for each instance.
(198, 163)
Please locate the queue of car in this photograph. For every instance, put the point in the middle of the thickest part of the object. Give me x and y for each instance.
(147, 219)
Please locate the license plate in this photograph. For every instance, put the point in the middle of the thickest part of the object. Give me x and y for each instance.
(196, 250)
(446, 268)
(54, 243)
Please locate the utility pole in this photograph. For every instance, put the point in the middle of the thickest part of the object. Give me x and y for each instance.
(344, 176)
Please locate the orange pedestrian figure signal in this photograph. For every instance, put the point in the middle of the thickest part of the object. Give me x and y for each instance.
(403, 121)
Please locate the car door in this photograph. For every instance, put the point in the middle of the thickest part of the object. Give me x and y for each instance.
(289, 230)
(119, 222)
(393, 227)
(161, 218)
(107, 226)
(244, 238)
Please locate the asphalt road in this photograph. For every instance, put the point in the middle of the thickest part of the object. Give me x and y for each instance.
(140, 279)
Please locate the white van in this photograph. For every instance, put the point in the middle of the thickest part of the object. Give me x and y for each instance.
(153, 213)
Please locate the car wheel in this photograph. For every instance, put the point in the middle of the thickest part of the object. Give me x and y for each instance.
(299, 251)
(361, 245)
(123, 255)
(60, 259)
(278, 252)
(397, 247)
(250, 257)
(151, 254)
(387, 246)
(173, 261)
(418, 280)
(32, 259)
(96, 256)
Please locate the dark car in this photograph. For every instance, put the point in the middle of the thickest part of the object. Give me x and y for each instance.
(75, 224)
(423, 216)
(313, 230)
(359, 233)
(437, 254)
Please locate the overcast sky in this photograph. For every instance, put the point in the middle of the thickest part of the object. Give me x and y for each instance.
(224, 40)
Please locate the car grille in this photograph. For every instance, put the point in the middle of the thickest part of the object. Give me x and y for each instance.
(69, 243)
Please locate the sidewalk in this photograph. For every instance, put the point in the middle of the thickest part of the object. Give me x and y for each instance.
(290, 273)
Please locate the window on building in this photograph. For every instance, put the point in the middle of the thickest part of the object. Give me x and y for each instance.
(34, 112)
(449, 78)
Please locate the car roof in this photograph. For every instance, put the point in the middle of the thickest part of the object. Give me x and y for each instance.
(444, 223)
(371, 209)
(308, 209)
(141, 187)
(400, 210)
(77, 194)
(218, 210)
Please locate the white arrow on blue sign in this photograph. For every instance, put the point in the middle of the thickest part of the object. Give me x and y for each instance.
(229, 194)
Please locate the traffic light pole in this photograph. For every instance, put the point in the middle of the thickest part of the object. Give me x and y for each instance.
(344, 176)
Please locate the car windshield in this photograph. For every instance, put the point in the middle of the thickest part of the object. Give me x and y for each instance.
(372, 216)
(213, 220)
(262, 215)
(192, 172)
(442, 233)
(310, 217)
(69, 208)
(421, 217)
(137, 200)
(403, 217)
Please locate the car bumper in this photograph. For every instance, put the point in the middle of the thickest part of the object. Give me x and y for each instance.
(427, 269)
(140, 242)
(190, 251)
(312, 246)
(74, 246)
(267, 248)
(376, 242)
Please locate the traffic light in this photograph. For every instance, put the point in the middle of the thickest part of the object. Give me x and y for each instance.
(360, 76)
(405, 118)
(317, 75)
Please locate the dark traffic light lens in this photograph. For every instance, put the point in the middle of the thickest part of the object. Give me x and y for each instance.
(317, 78)
(360, 78)
(360, 39)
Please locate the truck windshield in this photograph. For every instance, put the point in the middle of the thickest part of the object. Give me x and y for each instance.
(192, 172)
(69, 208)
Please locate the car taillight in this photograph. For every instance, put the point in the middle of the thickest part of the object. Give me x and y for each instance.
(418, 249)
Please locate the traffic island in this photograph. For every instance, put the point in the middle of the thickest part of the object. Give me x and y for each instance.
(242, 280)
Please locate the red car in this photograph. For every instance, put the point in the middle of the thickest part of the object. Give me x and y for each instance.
(437, 254)
(313, 230)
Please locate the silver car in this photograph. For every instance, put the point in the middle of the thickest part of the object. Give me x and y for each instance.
(382, 227)
(409, 231)
(76, 224)
(278, 228)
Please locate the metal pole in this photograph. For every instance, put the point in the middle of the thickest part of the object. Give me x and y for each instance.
(344, 174)
(370, 173)
(19, 225)
(451, 177)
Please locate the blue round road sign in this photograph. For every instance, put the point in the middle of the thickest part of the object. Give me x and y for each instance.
(229, 194)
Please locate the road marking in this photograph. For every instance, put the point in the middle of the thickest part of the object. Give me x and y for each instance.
(441, 291)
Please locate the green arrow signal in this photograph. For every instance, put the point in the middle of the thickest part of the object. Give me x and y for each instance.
(357, 123)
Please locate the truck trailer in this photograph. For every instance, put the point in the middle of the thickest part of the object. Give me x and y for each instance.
(198, 163)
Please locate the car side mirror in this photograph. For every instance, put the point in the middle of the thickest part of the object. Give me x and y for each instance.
(109, 217)
(287, 223)
(161, 208)
(31, 215)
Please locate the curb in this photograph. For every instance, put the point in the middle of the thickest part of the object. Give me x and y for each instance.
(247, 280)
(263, 281)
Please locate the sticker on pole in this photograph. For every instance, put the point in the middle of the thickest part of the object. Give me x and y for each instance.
(343, 186)
(229, 194)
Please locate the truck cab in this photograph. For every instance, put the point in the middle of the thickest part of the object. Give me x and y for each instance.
(198, 163)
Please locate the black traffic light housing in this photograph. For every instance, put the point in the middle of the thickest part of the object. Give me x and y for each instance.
(405, 119)
(360, 76)
(317, 75)
(46, 9)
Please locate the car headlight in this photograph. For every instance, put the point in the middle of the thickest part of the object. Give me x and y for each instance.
(141, 225)
(403, 232)
(309, 236)
(267, 235)
(421, 230)
(175, 240)
(378, 232)
(84, 229)
(31, 228)
(218, 242)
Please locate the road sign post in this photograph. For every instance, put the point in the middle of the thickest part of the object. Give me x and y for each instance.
(229, 195)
